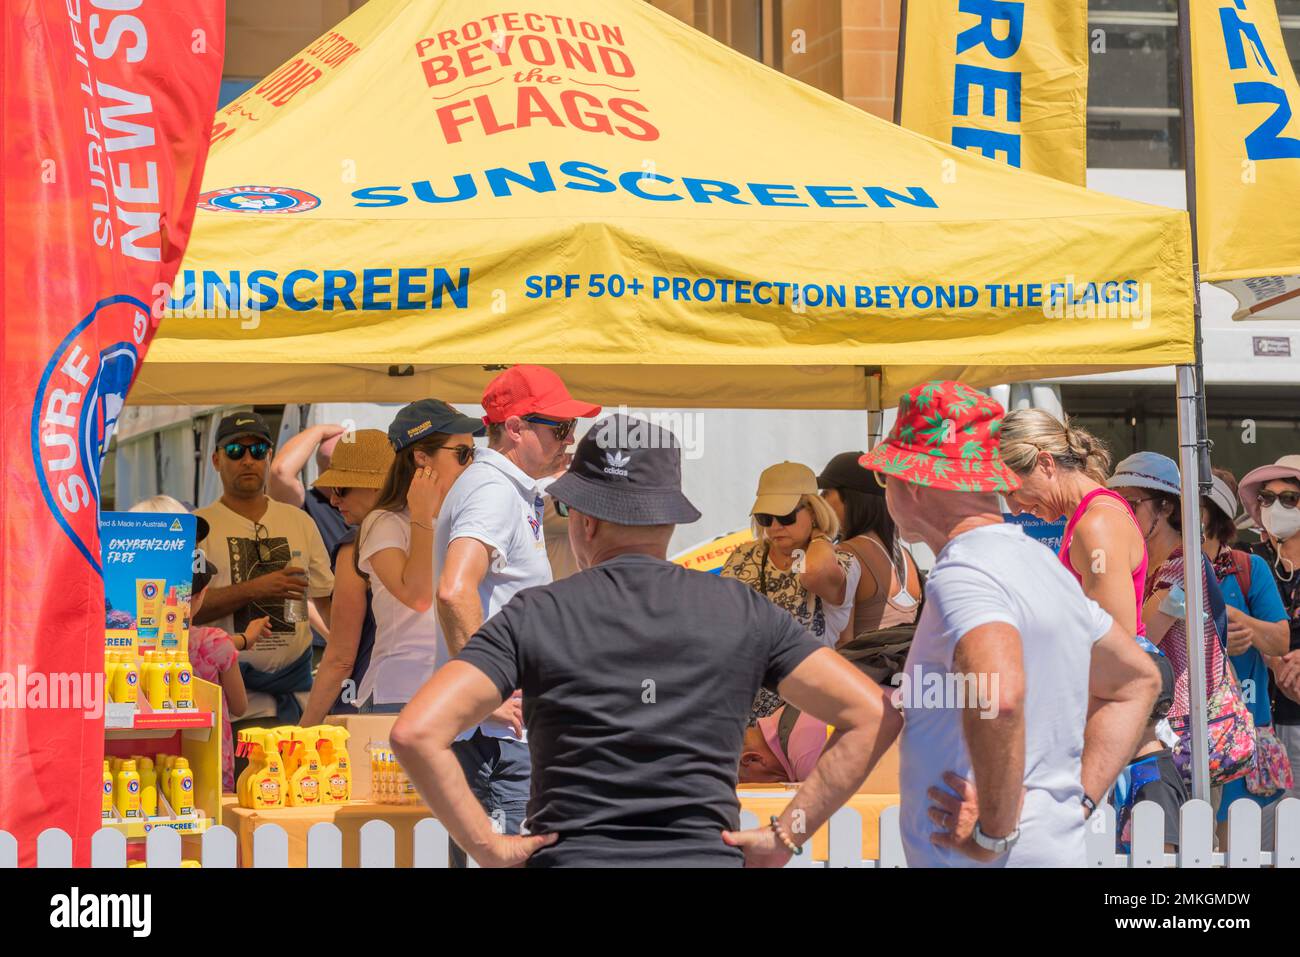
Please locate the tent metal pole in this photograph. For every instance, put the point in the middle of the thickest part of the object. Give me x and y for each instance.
(898, 70)
(1193, 443)
(1191, 517)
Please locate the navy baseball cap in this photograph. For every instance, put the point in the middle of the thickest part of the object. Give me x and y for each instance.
(419, 419)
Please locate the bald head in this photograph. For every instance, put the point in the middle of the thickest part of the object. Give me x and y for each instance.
(594, 540)
(325, 451)
(931, 515)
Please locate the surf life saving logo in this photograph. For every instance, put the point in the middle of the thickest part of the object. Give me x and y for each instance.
(77, 404)
(535, 517)
(258, 199)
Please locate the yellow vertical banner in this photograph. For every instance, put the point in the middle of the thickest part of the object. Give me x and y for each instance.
(1006, 80)
(1245, 98)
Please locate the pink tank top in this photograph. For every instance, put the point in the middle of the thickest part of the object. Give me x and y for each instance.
(1139, 574)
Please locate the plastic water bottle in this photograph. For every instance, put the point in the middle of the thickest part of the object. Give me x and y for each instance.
(295, 609)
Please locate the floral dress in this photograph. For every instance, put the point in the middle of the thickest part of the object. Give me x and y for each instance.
(751, 564)
(211, 653)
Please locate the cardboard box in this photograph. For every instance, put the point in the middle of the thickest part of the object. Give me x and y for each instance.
(362, 730)
(883, 778)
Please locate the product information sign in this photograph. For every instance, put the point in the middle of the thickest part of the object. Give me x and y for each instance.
(148, 560)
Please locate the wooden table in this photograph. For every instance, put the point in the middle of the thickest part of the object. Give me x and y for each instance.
(348, 818)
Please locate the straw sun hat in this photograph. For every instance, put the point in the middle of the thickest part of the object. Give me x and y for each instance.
(359, 461)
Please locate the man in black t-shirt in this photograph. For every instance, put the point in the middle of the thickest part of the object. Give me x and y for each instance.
(637, 678)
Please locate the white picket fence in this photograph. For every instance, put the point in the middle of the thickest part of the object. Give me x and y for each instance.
(377, 842)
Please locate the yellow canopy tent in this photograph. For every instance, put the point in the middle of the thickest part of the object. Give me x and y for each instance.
(429, 192)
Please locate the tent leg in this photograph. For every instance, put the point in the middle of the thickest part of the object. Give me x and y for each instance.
(1189, 466)
(875, 427)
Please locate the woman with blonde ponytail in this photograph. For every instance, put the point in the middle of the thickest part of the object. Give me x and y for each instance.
(1063, 472)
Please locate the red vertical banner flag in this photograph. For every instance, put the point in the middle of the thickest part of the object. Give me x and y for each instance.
(107, 109)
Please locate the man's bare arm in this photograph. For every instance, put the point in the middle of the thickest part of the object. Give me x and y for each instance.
(458, 697)
(1123, 684)
(288, 582)
(866, 723)
(460, 611)
(219, 602)
(992, 655)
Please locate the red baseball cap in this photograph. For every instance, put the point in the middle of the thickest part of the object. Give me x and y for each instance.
(532, 390)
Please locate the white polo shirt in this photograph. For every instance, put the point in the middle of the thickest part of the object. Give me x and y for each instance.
(498, 504)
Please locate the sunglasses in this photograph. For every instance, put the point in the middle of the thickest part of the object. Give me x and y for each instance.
(1288, 499)
(262, 539)
(1133, 503)
(563, 428)
(464, 453)
(235, 450)
(561, 509)
(765, 520)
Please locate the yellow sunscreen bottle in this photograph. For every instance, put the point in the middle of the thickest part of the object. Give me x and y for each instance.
(111, 666)
(126, 793)
(182, 683)
(126, 683)
(163, 765)
(335, 766)
(107, 796)
(305, 782)
(170, 630)
(290, 750)
(153, 680)
(182, 787)
(246, 746)
(148, 606)
(148, 787)
(268, 787)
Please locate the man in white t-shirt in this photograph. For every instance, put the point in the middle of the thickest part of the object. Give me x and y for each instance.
(488, 546)
(996, 688)
(265, 552)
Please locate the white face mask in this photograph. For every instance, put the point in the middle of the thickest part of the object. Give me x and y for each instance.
(1281, 522)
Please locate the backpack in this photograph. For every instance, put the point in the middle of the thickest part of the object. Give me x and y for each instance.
(877, 654)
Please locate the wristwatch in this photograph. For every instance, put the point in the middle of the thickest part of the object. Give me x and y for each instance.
(998, 845)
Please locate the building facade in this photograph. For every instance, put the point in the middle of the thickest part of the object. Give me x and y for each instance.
(848, 48)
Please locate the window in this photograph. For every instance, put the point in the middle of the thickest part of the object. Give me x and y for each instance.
(232, 88)
(1134, 99)
(743, 25)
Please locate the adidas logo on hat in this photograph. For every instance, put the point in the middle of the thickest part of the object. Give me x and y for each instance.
(618, 463)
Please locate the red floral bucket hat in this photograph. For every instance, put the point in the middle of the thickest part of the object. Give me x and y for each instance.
(946, 437)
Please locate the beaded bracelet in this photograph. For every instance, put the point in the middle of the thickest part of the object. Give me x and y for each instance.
(781, 836)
